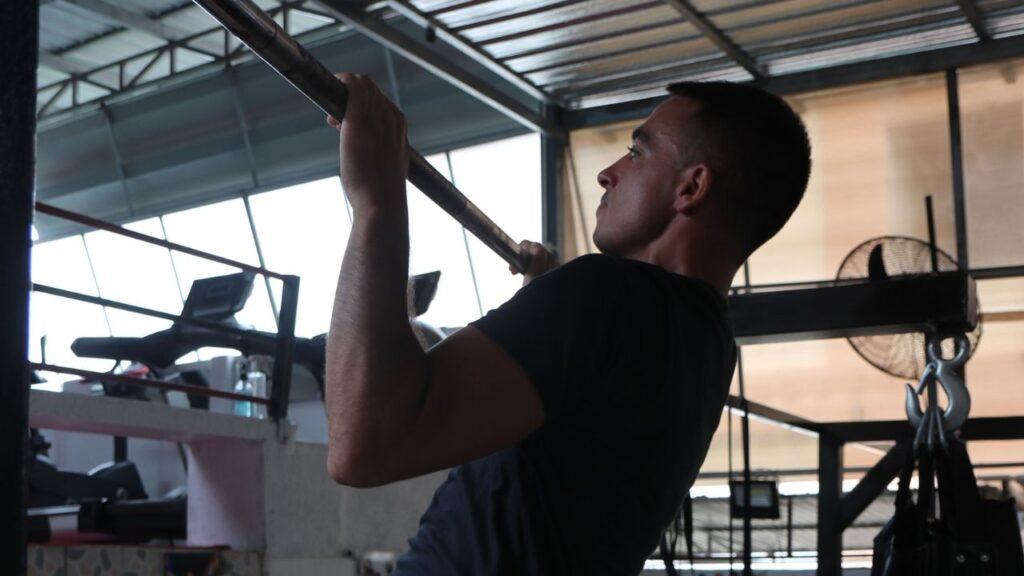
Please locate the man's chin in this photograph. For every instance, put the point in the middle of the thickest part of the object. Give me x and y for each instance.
(602, 245)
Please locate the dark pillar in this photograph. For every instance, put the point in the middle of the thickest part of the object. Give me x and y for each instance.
(284, 357)
(830, 490)
(19, 44)
(957, 161)
(552, 153)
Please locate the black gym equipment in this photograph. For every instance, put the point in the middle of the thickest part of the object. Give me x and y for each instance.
(257, 30)
(214, 302)
(109, 501)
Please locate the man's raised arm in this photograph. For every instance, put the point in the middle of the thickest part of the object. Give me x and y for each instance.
(393, 410)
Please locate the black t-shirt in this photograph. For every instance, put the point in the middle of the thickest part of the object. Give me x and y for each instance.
(633, 365)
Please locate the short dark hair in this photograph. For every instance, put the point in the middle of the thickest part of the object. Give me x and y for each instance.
(759, 145)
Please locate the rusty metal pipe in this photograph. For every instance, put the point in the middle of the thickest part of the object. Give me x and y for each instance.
(257, 30)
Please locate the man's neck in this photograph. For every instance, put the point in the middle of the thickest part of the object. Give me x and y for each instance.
(710, 263)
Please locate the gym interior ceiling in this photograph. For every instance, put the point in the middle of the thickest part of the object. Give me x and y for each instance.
(154, 94)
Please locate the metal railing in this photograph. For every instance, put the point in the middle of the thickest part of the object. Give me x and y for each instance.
(281, 345)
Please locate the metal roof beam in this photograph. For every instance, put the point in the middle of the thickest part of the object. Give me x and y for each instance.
(380, 32)
(424, 20)
(832, 77)
(62, 64)
(120, 16)
(716, 36)
(975, 17)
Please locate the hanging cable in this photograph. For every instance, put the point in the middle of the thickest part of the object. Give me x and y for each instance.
(465, 242)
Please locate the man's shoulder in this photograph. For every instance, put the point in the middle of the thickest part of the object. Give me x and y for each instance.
(593, 270)
(593, 262)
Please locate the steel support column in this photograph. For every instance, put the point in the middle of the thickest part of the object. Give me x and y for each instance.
(118, 160)
(281, 385)
(830, 490)
(552, 152)
(19, 50)
(957, 163)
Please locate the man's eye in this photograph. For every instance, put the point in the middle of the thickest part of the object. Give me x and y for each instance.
(633, 151)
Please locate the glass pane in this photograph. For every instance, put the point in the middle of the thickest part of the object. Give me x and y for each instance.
(992, 118)
(221, 229)
(985, 454)
(877, 151)
(993, 372)
(303, 230)
(1000, 295)
(822, 380)
(593, 149)
(503, 178)
(771, 448)
(64, 264)
(135, 273)
(62, 321)
(436, 242)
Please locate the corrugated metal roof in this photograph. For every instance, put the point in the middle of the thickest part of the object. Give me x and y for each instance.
(63, 25)
(585, 52)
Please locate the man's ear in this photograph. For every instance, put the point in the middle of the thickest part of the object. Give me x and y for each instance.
(693, 188)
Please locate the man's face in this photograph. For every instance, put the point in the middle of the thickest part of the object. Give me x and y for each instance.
(640, 187)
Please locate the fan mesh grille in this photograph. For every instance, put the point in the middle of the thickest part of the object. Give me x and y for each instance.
(901, 355)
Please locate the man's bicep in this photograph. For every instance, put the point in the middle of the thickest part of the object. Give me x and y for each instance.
(478, 400)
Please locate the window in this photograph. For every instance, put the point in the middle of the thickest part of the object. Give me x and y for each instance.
(63, 264)
(503, 178)
(877, 151)
(137, 273)
(303, 230)
(992, 121)
(221, 229)
(438, 242)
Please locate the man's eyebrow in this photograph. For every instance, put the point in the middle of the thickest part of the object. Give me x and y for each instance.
(640, 136)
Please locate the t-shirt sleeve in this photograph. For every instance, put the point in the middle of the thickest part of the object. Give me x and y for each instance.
(557, 328)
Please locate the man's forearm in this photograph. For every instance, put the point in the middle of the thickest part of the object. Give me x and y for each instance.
(375, 369)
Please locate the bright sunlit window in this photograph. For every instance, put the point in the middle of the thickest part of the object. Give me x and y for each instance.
(63, 264)
(222, 229)
(302, 230)
(503, 179)
(437, 242)
(135, 273)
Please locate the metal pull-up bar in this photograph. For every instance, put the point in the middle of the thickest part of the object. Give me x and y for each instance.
(257, 30)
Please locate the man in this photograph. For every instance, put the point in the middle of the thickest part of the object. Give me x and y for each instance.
(578, 413)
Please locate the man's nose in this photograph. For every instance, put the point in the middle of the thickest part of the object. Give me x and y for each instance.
(606, 178)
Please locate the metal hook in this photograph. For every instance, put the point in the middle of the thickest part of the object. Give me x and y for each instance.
(947, 373)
